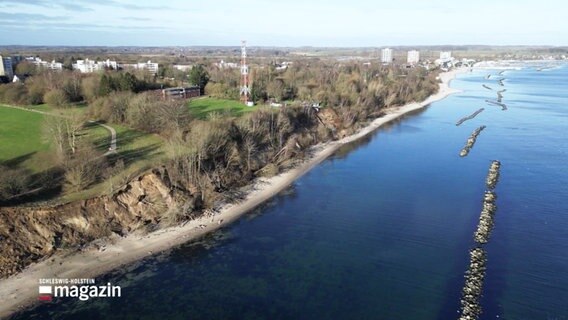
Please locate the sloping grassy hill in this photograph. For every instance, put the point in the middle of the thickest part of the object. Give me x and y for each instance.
(201, 107)
(21, 138)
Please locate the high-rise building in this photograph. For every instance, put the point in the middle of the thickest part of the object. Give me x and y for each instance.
(6, 67)
(413, 57)
(386, 55)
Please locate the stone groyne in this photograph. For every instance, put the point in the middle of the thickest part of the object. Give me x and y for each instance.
(475, 275)
(471, 116)
(471, 141)
(500, 104)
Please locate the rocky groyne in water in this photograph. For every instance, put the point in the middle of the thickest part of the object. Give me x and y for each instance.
(471, 141)
(475, 275)
(493, 175)
(500, 104)
(471, 116)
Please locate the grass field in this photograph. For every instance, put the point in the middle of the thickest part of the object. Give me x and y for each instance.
(138, 150)
(21, 139)
(22, 145)
(201, 107)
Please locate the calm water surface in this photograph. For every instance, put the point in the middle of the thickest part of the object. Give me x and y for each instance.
(382, 229)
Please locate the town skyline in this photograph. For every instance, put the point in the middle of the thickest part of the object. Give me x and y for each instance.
(333, 23)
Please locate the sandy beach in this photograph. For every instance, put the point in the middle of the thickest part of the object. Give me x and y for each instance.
(21, 290)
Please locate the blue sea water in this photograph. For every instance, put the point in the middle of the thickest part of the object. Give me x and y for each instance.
(382, 229)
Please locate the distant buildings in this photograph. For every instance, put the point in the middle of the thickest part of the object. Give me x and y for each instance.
(413, 57)
(231, 65)
(183, 67)
(445, 55)
(6, 67)
(181, 92)
(149, 66)
(36, 61)
(283, 66)
(386, 55)
(88, 66)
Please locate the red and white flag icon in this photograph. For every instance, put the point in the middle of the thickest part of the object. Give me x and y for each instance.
(45, 293)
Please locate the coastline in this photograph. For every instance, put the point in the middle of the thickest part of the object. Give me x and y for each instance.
(20, 291)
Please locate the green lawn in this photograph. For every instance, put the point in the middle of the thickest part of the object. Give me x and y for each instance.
(139, 151)
(201, 107)
(22, 145)
(21, 141)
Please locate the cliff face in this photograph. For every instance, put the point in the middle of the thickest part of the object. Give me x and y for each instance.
(29, 234)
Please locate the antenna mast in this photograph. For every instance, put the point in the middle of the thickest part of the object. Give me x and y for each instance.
(245, 90)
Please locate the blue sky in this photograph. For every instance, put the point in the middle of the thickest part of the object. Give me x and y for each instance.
(283, 23)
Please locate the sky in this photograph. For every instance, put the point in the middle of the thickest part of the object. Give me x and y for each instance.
(290, 23)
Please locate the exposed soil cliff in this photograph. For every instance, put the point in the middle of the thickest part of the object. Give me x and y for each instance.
(30, 234)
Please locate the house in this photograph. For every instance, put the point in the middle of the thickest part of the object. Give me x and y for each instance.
(181, 92)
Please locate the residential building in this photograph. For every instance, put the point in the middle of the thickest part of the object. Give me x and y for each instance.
(56, 66)
(446, 55)
(108, 64)
(183, 67)
(231, 65)
(181, 92)
(149, 66)
(413, 57)
(87, 66)
(386, 55)
(6, 67)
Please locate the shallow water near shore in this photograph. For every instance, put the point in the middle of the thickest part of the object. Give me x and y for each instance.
(382, 229)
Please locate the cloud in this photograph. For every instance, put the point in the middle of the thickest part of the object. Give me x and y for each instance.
(44, 25)
(136, 19)
(28, 17)
(59, 4)
(82, 5)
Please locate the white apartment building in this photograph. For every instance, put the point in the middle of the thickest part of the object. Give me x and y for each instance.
(183, 67)
(386, 55)
(110, 64)
(413, 57)
(36, 61)
(88, 66)
(150, 66)
(446, 55)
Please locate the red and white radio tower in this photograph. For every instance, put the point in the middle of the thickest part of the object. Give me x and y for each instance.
(245, 89)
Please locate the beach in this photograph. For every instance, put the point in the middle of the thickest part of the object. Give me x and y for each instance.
(21, 290)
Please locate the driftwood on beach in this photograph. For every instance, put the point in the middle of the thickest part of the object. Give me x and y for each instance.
(471, 141)
(473, 115)
(501, 104)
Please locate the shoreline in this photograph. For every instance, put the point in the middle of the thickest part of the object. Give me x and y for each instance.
(20, 291)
